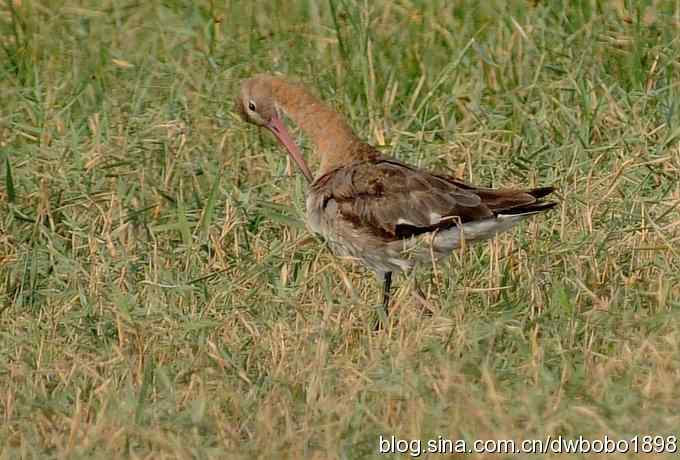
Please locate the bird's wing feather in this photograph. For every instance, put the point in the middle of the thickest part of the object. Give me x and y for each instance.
(394, 200)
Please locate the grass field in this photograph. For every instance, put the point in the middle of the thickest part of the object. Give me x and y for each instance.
(160, 296)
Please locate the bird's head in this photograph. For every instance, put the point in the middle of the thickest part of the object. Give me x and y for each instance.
(257, 103)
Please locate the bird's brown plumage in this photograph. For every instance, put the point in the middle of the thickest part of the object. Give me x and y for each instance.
(395, 201)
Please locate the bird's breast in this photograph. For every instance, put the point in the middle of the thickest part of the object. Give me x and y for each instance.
(347, 239)
(316, 216)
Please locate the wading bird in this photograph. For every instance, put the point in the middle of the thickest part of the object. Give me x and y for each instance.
(387, 214)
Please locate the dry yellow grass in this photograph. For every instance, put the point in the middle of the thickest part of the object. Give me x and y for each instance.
(161, 297)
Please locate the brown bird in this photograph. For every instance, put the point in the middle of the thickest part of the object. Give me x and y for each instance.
(387, 214)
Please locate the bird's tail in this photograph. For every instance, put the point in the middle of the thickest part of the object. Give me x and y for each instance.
(529, 208)
(513, 202)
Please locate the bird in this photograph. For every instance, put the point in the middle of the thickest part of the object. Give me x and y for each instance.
(380, 211)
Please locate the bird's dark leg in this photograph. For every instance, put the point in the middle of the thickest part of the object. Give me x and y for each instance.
(387, 285)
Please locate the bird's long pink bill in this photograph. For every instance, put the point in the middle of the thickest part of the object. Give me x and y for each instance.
(277, 127)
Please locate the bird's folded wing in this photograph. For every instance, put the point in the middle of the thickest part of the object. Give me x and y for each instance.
(394, 201)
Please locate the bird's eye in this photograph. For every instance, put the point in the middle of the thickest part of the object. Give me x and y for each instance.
(251, 106)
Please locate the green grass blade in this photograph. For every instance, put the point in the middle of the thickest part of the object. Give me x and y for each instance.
(209, 208)
(9, 182)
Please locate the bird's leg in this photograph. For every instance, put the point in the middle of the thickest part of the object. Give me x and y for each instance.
(387, 285)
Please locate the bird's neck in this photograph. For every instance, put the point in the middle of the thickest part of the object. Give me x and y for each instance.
(334, 139)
